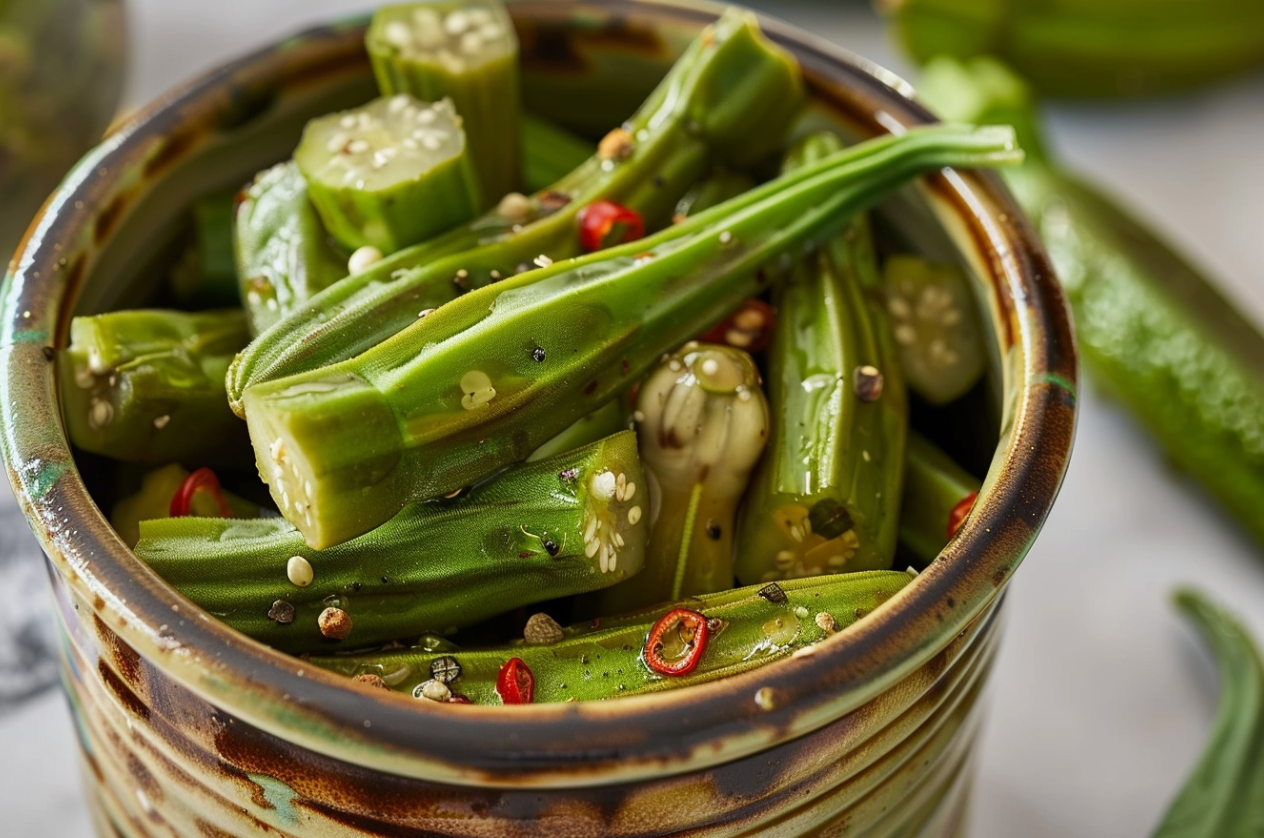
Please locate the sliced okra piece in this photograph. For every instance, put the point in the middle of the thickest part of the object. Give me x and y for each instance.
(825, 498)
(550, 152)
(938, 496)
(148, 386)
(690, 642)
(538, 531)
(702, 421)
(715, 105)
(466, 51)
(459, 393)
(158, 491)
(282, 252)
(936, 327)
(390, 174)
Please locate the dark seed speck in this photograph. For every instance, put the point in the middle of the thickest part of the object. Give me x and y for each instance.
(538, 354)
(281, 612)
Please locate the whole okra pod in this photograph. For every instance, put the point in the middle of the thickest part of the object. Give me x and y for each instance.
(486, 379)
(826, 495)
(715, 104)
(690, 642)
(938, 496)
(148, 386)
(549, 529)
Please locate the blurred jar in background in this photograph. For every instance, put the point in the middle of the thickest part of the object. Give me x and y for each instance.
(61, 76)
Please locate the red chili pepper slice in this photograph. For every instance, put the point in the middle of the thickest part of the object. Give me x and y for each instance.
(960, 512)
(459, 699)
(603, 224)
(749, 328)
(515, 684)
(677, 641)
(202, 480)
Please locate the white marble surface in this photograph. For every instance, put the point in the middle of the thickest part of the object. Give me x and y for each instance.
(1099, 701)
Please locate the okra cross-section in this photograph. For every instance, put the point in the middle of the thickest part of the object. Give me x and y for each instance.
(669, 646)
(561, 526)
(389, 174)
(466, 51)
(488, 378)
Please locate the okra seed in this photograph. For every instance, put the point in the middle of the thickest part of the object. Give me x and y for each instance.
(478, 389)
(363, 259)
(765, 698)
(800, 612)
(603, 485)
(100, 414)
(161, 422)
(542, 261)
(299, 571)
(456, 23)
(515, 207)
(334, 623)
(634, 515)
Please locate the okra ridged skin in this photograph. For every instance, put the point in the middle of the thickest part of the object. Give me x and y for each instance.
(825, 498)
(550, 152)
(1151, 328)
(934, 486)
(147, 386)
(467, 51)
(283, 254)
(488, 378)
(607, 658)
(715, 104)
(1221, 796)
(1092, 48)
(702, 422)
(535, 532)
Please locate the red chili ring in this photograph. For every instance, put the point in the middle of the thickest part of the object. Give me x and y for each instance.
(514, 683)
(960, 512)
(603, 224)
(695, 642)
(202, 480)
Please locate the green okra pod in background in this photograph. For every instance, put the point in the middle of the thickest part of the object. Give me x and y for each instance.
(1222, 797)
(550, 152)
(466, 51)
(489, 377)
(714, 105)
(1091, 48)
(148, 386)
(389, 174)
(702, 421)
(826, 495)
(1151, 328)
(601, 423)
(717, 188)
(283, 254)
(535, 532)
(206, 276)
(938, 495)
(690, 642)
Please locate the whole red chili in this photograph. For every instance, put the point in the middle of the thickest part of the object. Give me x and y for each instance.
(960, 512)
(604, 224)
(202, 480)
(515, 684)
(677, 642)
(749, 328)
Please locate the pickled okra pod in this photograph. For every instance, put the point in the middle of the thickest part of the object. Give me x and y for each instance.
(159, 488)
(466, 51)
(148, 386)
(603, 422)
(537, 531)
(717, 188)
(550, 152)
(1151, 328)
(1221, 797)
(206, 276)
(389, 174)
(713, 106)
(283, 254)
(826, 496)
(702, 422)
(938, 496)
(678, 645)
(486, 379)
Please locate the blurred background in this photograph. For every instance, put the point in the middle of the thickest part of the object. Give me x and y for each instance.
(1100, 701)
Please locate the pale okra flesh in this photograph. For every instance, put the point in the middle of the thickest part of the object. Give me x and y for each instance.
(826, 496)
(147, 386)
(561, 526)
(702, 422)
(466, 51)
(714, 105)
(750, 627)
(465, 391)
(389, 174)
(283, 253)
